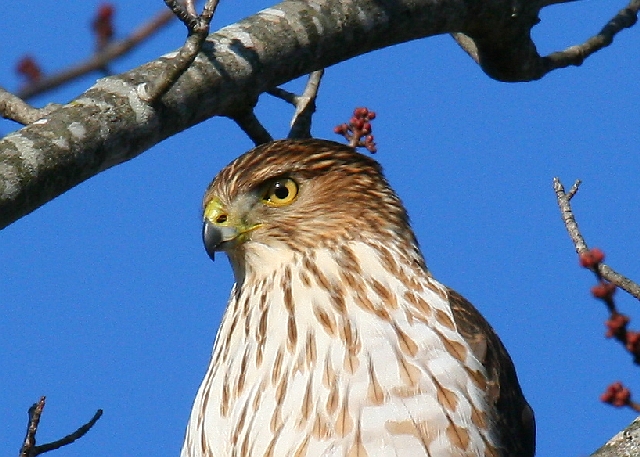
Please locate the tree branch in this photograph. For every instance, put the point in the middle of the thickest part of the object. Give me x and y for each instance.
(575, 55)
(16, 109)
(571, 225)
(305, 105)
(505, 54)
(112, 123)
(198, 29)
(29, 448)
(252, 127)
(625, 443)
(98, 61)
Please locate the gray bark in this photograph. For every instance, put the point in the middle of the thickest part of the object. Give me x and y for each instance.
(110, 124)
(625, 444)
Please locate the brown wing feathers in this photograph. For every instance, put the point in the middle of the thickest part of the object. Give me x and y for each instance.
(512, 410)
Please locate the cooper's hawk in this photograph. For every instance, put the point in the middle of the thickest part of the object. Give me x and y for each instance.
(336, 341)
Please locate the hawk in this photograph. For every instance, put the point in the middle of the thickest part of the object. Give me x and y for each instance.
(337, 341)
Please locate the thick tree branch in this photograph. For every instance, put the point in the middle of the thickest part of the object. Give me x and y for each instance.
(571, 225)
(111, 123)
(625, 444)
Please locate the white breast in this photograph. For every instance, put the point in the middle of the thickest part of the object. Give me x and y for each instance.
(321, 356)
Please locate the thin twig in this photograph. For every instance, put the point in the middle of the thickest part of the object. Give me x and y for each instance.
(305, 104)
(198, 30)
(98, 61)
(250, 125)
(32, 428)
(575, 55)
(305, 107)
(283, 94)
(29, 448)
(188, 18)
(69, 438)
(580, 245)
(573, 189)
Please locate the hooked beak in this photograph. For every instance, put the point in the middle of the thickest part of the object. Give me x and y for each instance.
(220, 230)
(212, 238)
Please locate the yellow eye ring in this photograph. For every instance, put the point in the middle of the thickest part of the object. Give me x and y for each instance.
(280, 192)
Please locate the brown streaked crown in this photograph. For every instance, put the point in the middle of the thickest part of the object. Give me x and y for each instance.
(342, 195)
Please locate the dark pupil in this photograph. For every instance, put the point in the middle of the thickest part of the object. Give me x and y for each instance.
(281, 191)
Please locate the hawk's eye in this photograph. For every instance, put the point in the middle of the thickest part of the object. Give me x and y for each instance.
(280, 192)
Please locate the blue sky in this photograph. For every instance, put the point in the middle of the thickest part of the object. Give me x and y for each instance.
(109, 301)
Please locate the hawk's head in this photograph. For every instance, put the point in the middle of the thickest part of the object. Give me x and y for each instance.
(295, 195)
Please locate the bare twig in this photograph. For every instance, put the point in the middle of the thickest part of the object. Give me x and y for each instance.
(98, 61)
(34, 419)
(29, 448)
(283, 94)
(79, 433)
(575, 55)
(198, 30)
(305, 105)
(571, 225)
(250, 125)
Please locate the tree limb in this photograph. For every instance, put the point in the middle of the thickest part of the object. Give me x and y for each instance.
(111, 123)
(98, 61)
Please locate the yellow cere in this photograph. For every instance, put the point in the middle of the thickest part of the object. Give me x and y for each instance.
(214, 210)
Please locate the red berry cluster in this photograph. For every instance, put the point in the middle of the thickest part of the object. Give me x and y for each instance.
(358, 131)
(29, 68)
(102, 25)
(604, 290)
(591, 258)
(617, 395)
(617, 326)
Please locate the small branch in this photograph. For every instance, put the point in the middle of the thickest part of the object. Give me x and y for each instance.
(250, 125)
(16, 109)
(69, 438)
(99, 61)
(198, 30)
(29, 448)
(283, 94)
(575, 55)
(29, 444)
(467, 44)
(571, 225)
(573, 189)
(305, 107)
(567, 214)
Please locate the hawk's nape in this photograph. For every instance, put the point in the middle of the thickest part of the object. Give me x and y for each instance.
(337, 341)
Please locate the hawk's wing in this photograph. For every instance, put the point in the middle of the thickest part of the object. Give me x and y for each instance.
(515, 419)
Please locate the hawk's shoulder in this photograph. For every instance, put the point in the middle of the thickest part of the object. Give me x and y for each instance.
(514, 416)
